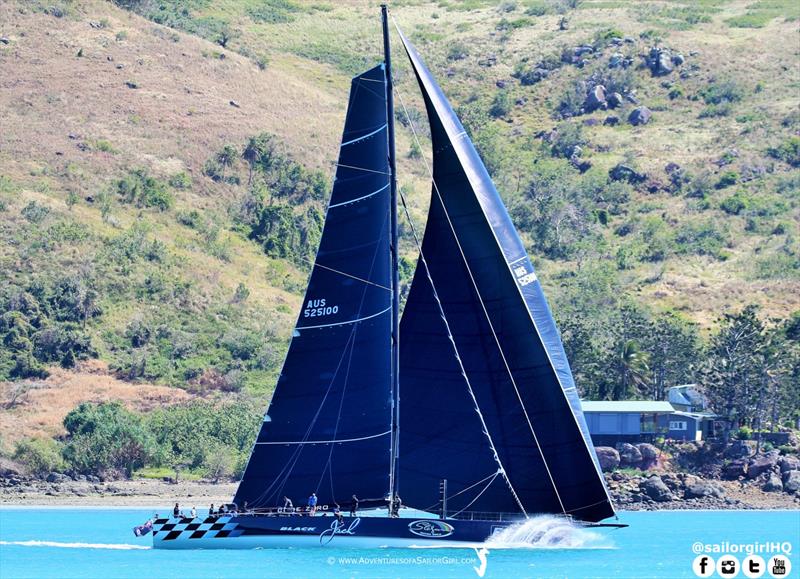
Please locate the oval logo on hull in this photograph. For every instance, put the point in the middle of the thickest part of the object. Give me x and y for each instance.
(431, 528)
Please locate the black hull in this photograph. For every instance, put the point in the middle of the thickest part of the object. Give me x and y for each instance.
(261, 531)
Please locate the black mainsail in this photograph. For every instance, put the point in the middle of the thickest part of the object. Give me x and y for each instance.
(488, 398)
(328, 428)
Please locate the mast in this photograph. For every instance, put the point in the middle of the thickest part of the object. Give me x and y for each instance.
(393, 471)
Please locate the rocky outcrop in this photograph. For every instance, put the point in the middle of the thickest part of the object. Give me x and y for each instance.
(649, 454)
(761, 464)
(608, 457)
(614, 100)
(640, 116)
(596, 98)
(57, 477)
(734, 469)
(659, 61)
(625, 173)
(791, 481)
(698, 488)
(740, 448)
(655, 488)
(789, 463)
(629, 455)
(773, 484)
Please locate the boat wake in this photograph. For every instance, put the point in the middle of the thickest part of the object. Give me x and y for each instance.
(548, 532)
(112, 546)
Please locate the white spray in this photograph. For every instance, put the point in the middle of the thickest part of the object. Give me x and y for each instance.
(548, 532)
(112, 546)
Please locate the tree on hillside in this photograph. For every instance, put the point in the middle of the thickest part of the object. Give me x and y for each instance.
(633, 368)
(751, 374)
(259, 152)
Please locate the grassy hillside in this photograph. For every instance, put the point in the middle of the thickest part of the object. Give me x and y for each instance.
(135, 230)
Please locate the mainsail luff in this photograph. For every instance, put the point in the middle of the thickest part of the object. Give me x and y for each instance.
(328, 427)
(498, 313)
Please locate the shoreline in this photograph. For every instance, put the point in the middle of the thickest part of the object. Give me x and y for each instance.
(159, 494)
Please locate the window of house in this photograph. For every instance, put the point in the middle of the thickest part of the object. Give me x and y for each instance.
(677, 425)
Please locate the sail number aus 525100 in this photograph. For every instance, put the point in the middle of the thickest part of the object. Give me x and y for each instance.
(318, 308)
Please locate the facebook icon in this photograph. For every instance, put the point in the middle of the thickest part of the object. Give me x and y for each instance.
(703, 566)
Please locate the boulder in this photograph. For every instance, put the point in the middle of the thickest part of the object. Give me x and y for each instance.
(702, 488)
(596, 98)
(678, 59)
(614, 100)
(672, 481)
(629, 455)
(773, 484)
(791, 481)
(788, 463)
(616, 60)
(761, 464)
(660, 62)
(57, 477)
(649, 454)
(500, 84)
(622, 172)
(611, 120)
(640, 116)
(655, 488)
(608, 457)
(740, 448)
(583, 49)
(734, 469)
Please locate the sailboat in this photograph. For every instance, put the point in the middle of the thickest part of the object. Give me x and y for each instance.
(466, 408)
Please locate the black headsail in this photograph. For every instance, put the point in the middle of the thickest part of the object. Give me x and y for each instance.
(502, 421)
(329, 424)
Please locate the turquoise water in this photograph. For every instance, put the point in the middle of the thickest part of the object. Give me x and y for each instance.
(81, 543)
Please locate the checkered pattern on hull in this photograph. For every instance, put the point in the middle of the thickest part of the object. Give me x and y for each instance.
(209, 528)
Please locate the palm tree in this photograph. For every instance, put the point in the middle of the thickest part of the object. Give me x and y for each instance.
(634, 369)
(226, 157)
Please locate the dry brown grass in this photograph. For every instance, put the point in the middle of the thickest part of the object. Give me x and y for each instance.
(40, 413)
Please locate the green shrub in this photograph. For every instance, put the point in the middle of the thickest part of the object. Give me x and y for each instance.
(727, 179)
(106, 439)
(567, 136)
(718, 110)
(571, 101)
(501, 105)
(734, 204)
(788, 151)
(701, 238)
(40, 456)
(724, 91)
(143, 190)
(180, 180)
(744, 433)
(457, 51)
(34, 212)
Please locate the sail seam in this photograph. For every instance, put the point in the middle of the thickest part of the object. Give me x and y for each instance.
(334, 441)
(359, 198)
(492, 447)
(362, 169)
(344, 323)
(355, 277)
(488, 318)
(362, 137)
